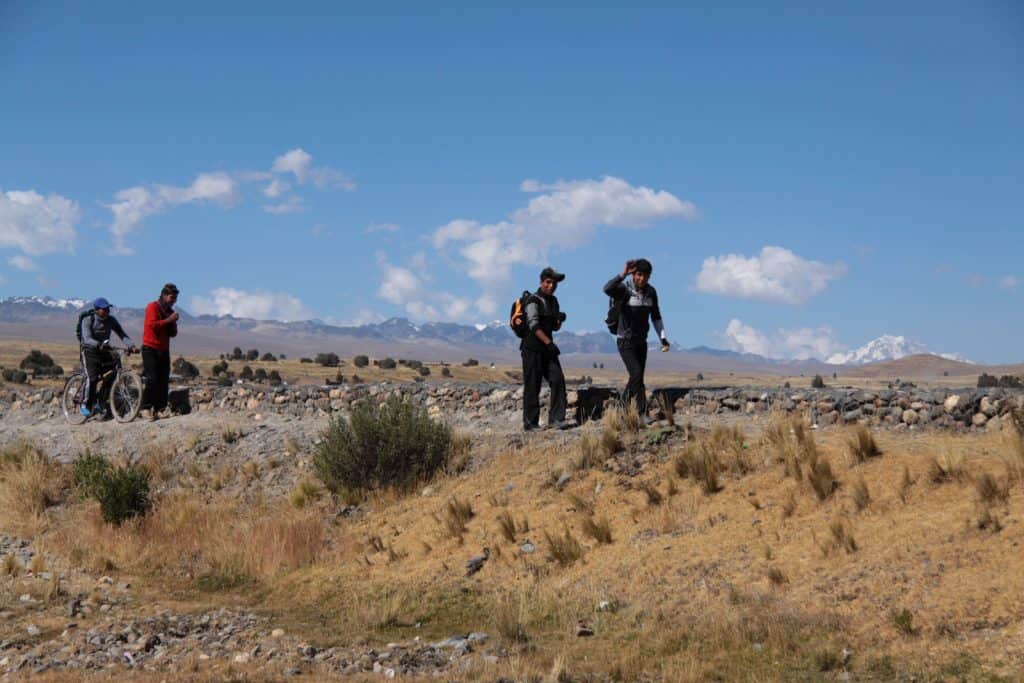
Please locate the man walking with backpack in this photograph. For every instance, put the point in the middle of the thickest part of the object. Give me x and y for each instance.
(160, 325)
(537, 324)
(634, 305)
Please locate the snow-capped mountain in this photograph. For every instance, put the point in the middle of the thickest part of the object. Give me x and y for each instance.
(48, 302)
(886, 347)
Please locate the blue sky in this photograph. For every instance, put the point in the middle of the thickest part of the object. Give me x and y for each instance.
(805, 177)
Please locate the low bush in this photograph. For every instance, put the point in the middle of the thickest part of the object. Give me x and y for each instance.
(274, 377)
(246, 373)
(394, 444)
(387, 364)
(424, 371)
(260, 375)
(471, 362)
(219, 368)
(16, 376)
(185, 369)
(446, 372)
(268, 358)
(36, 359)
(361, 361)
(252, 354)
(328, 360)
(305, 360)
(122, 492)
(88, 472)
(818, 382)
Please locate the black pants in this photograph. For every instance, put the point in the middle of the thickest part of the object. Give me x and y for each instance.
(156, 366)
(634, 355)
(538, 365)
(95, 363)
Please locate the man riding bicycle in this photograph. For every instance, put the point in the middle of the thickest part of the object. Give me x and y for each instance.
(94, 328)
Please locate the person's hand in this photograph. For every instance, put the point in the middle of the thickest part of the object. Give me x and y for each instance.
(665, 344)
(173, 317)
(553, 349)
(629, 267)
(561, 318)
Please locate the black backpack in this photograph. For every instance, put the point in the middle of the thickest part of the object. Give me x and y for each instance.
(614, 313)
(517, 316)
(82, 316)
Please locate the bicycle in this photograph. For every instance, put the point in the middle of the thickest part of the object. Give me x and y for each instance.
(125, 397)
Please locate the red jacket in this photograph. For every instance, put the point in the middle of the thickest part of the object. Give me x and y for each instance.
(157, 330)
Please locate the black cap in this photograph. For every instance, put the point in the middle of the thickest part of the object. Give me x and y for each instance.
(550, 273)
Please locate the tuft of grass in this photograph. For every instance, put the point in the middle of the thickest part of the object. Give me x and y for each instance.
(789, 505)
(598, 529)
(291, 446)
(947, 467)
(903, 620)
(618, 419)
(230, 435)
(654, 497)
(564, 549)
(990, 490)
(511, 613)
(903, 488)
(582, 505)
(11, 566)
(842, 537)
(507, 526)
(30, 484)
(460, 453)
(822, 480)
(699, 461)
(777, 577)
(38, 564)
(595, 447)
(862, 446)
(860, 494)
(306, 492)
(457, 514)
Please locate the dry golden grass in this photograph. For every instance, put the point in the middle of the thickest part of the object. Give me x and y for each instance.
(691, 592)
(862, 446)
(30, 484)
(598, 529)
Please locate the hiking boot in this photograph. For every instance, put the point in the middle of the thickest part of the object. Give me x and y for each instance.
(531, 428)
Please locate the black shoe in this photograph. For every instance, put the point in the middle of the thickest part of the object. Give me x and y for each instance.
(531, 428)
(562, 425)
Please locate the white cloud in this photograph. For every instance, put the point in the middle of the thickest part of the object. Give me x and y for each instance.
(276, 188)
(800, 344)
(382, 227)
(564, 217)
(299, 163)
(405, 288)
(292, 204)
(1009, 281)
(36, 224)
(258, 304)
(131, 206)
(776, 275)
(23, 263)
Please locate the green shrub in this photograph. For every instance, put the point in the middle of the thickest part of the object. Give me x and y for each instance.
(471, 362)
(260, 375)
(304, 360)
(274, 377)
(269, 358)
(394, 444)
(185, 369)
(36, 359)
(818, 382)
(123, 494)
(328, 360)
(219, 368)
(446, 371)
(361, 361)
(88, 473)
(16, 376)
(387, 364)
(246, 373)
(424, 371)
(252, 354)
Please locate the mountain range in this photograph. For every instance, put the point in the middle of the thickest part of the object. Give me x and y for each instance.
(52, 320)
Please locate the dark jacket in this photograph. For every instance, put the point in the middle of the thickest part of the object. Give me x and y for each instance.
(96, 330)
(638, 308)
(541, 312)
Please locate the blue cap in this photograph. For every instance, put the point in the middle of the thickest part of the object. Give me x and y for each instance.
(101, 303)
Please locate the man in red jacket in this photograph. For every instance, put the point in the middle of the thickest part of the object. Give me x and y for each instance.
(161, 324)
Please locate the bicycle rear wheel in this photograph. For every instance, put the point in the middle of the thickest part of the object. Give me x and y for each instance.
(126, 396)
(72, 398)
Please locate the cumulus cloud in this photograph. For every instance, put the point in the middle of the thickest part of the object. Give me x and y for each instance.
(776, 275)
(292, 204)
(299, 163)
(1009, 281)
(258, 304)
(23, 263)
(564, 217)
(800, 344)
(36, 224)
(404, 287)
(133, 205)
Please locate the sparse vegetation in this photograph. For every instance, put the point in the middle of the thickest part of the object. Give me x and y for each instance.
(860, 494)
(699, 461)
(40, 364)
(471, 362)
(184, 368)
(818, 382)
(386, 364)
(903, 620)
(328, 360)
(598, 529)
(361, 361)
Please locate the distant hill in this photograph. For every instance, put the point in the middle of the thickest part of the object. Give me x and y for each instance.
(930, 366)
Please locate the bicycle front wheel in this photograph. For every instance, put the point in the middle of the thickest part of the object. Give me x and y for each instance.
(72, 398)
(126, 396)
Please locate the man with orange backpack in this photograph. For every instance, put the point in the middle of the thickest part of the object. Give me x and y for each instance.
(535, 318)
